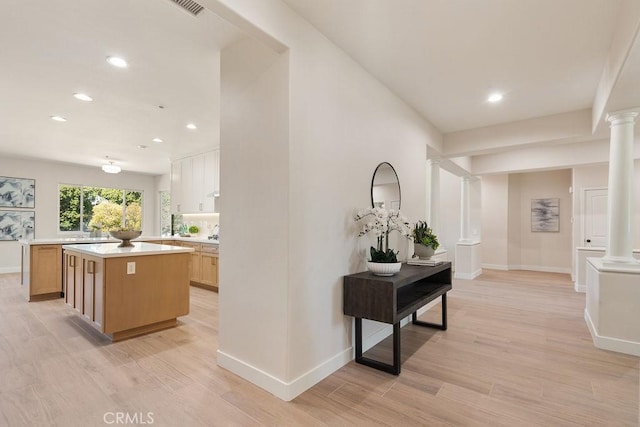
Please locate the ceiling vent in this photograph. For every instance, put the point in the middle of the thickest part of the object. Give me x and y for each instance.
(190, 6)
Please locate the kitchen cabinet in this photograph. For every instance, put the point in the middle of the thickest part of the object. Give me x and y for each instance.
(93, 290)
(203, 266)
(121, 304)
(209, 268)
(72, 280)
(194, 181)
(42, 271)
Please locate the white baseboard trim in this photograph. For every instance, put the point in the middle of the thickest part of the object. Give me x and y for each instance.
(9, 270)
(496, 267)
(284, 390)
(467, 276)
(608, 343)
(580, 288)
(541, 268)
(289, 390)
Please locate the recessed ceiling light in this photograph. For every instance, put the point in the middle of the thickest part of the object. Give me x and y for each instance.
(142, 147)
(495, 97)
(58, 118)
(158, 140)
(117, 61)
(192, 126)
(82, 97)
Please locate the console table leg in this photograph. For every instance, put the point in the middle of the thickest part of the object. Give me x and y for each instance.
(358, 339)
(443, 326)
(392, 369)
(396, 348)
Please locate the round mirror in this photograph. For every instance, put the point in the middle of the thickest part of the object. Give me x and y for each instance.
(385, 187)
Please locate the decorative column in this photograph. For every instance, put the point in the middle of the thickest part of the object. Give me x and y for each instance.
(613, 294)
(468, 255)
(465, 209)
(434, 195)
(620, 194)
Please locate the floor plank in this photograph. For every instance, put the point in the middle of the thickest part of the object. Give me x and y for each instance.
(517, 352)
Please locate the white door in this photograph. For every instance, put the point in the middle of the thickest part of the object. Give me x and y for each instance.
(595, 217)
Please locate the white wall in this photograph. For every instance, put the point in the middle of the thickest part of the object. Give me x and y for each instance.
(508, 242)
(449, 234)
(546, 251)
(597, 176)
(48, 175)
(281, 319)
(254, 173)
(495, 210)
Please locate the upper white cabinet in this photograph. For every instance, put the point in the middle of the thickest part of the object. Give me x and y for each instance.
(194, 182)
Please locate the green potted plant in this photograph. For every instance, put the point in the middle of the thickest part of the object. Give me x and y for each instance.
(425, 242)
(384, 260)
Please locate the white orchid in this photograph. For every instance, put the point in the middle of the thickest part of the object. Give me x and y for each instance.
(381, 223)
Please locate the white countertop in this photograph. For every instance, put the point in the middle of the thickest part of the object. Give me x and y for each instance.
(111, 250)
(90, 240)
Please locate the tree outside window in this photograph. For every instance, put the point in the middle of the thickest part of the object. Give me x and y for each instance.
(97, 208)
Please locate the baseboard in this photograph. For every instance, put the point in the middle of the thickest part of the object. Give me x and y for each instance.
(4, 270)
(541, 268)
(580, 288)
(468, 276)
(284, 390)
(496, 267)
(611, 344)
(289, 390)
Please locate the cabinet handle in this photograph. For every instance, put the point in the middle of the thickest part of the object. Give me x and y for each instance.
(72, 260)
(91, 269)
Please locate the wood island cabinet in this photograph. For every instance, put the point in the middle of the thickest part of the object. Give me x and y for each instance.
(125, 294)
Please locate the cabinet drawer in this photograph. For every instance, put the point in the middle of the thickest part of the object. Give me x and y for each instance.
(195, 246)
(210, 249)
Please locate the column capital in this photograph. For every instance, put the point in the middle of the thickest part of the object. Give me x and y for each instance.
(620, 117)
(434, 161)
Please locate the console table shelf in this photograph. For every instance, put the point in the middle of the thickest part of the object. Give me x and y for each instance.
(391, 299)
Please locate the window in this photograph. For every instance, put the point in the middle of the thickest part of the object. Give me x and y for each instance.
(165, 213)
(86, 208)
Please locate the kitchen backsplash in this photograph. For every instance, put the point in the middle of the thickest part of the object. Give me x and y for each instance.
(207, 224)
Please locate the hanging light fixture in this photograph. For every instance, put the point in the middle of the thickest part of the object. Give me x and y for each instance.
(111, 168)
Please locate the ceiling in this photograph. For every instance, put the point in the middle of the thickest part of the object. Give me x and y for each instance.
(55, 48)
(443, 57)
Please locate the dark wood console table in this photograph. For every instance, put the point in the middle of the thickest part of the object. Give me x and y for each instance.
(391, 299)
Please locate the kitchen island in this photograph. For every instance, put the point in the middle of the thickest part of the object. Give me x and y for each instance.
(125, 292)
(42, 264)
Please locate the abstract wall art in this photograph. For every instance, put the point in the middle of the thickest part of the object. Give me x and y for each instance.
(17, 192)
(15, 225)
(545, 215)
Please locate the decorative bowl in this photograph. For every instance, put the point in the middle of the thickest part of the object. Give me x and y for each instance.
(126, 237)
(384, 268)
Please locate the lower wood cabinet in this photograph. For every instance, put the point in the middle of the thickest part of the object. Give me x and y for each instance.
(203, 268)
(120, 304)
(41, 271)
(72, 278)
(93, 290)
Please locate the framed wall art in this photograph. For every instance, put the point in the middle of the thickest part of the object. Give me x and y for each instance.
(15, 225)
(545, 215)
(17, 192)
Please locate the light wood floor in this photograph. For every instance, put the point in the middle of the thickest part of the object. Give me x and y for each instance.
(517, 352)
